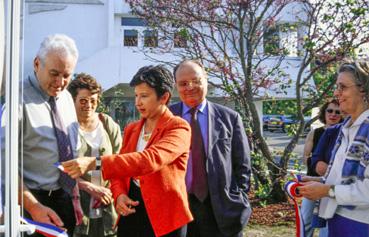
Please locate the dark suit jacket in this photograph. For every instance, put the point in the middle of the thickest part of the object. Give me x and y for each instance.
(228, 167)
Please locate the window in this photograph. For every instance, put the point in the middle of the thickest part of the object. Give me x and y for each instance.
(133, 21)
(180, 39)
(271, 40)
(289, 39)
(281, 39)
(150, 38)
(130, 38)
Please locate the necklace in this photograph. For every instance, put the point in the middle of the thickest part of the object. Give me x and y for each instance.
(146, 136)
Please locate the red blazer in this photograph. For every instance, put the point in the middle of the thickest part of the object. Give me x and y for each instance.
(161, 169)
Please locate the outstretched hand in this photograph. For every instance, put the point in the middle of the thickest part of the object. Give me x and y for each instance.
(102, 194)
(77, 167)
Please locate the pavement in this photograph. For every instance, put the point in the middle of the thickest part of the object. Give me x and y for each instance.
(278, 141)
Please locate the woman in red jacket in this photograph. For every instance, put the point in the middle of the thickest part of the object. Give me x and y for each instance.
(148, 177)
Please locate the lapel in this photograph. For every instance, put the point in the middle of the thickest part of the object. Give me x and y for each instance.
(215, 126)
(177, 109)
(160, 125)
(134, 135)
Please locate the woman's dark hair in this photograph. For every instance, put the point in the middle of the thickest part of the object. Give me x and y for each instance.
(323, 109)
(157, 77)
(84, 81)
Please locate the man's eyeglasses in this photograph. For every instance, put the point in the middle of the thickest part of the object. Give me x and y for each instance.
(342, 87)
(185, 84)
(330, 111)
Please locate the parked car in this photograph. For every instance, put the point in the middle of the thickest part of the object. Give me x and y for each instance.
(266, 118)
(281, 122)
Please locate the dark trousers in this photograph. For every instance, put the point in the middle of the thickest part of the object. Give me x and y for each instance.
(138, 223)
(61, 203)
(204, 223)
(340, 226)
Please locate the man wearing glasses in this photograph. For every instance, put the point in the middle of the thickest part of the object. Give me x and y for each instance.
(219, 169)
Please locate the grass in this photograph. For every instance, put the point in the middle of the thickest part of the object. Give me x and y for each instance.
(270, 231)
(288, 230)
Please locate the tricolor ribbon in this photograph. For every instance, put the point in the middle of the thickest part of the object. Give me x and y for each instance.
(59, 166)
(298, 177)
(46, 229)
(291, 188)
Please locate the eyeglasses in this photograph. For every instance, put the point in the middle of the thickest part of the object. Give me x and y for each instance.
(330, 111)
(185, 84)
(341, 87)
(84, 101)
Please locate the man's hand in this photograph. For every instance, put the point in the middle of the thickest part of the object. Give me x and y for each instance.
(124, 205)
(77, 167)
(100, 193)
(314, 190)
(38, 212)
(44, 214)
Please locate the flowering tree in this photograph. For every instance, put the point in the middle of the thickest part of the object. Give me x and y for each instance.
(247, 47)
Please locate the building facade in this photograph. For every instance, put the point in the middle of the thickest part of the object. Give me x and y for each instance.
(110, 40)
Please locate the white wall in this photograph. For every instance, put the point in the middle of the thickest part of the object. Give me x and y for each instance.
(85, 23)
(114, 65)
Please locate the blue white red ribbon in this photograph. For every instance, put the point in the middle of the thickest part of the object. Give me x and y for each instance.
(46, 229)
(59, 166)
(298, 177)
(291, 188)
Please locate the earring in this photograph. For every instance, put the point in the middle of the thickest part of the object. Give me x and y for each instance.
(365, 98)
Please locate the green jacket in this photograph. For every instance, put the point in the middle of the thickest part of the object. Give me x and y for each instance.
(111, 144)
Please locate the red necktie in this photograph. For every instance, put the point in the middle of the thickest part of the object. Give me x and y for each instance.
(199, 184)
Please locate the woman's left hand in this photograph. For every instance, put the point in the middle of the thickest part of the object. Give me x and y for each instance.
(125, 206)
(77, 167)
(314, 190)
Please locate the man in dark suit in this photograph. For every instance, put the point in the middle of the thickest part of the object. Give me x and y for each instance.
(219, 169)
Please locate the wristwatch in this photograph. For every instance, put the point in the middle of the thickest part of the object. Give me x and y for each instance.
(331, 192)
(98, 162)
